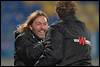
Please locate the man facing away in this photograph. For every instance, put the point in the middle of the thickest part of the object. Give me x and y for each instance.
(69, 39)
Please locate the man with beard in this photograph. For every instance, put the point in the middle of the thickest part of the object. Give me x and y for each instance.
(29, 37)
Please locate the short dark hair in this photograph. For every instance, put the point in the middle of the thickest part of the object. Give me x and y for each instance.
(65, 6)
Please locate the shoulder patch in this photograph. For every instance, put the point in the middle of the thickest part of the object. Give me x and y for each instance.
(82, 41)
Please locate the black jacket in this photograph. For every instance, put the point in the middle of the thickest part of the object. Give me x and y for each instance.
(65, 50)
(28, 48)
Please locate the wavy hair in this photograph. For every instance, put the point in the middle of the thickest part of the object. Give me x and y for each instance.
(30, 20)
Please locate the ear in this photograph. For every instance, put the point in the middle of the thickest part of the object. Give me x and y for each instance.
(30, 27)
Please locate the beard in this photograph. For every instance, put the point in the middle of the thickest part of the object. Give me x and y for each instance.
(41, 34)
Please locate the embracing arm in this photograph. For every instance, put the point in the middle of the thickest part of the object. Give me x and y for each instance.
(27, 51)
(53, 54)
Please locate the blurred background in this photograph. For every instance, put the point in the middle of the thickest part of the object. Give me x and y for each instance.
(14, 13)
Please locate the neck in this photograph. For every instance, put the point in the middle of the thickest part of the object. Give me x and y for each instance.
(69, 16)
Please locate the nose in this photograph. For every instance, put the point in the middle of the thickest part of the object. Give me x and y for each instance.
(43, 26)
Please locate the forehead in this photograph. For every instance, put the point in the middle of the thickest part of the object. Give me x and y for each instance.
(41, 19)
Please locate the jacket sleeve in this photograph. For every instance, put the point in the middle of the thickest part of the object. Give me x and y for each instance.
(53, 54)
(28, 51)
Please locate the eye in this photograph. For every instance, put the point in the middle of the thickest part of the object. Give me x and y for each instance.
(38, 23)
(45, 23)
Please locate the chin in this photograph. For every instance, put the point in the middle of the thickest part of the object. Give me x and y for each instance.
(42, 37)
